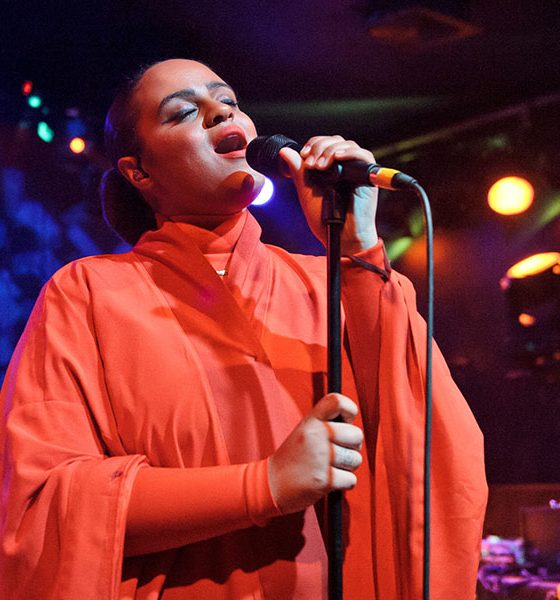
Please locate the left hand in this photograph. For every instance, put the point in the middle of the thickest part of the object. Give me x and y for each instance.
(319, 153)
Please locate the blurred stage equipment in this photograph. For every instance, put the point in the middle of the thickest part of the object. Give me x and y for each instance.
(532, 288)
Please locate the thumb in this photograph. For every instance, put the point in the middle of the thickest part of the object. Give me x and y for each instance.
(335, 405)
(292, 161)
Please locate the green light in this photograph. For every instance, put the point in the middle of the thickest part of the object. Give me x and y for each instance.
(351, 107)
(408, 157)
(498, 142)
(398, 247)
(45, 132)
(551, 211)
(416, 223)
(34, 101)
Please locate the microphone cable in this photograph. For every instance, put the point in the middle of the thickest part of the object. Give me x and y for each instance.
(421, 193)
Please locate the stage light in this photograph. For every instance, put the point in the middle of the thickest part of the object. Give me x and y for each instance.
(27, 88)
(77, 145)
(535, 264)
(45, 132)
(396, 248)
(511, 195)
(526, 319)
(34, 101)
(532, 288)
(265, 194)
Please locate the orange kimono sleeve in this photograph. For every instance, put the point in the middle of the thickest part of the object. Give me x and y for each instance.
(173, 507)
(64, 500)
(386, 339)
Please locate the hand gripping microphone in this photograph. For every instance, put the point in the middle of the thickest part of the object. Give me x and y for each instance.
(263, 155)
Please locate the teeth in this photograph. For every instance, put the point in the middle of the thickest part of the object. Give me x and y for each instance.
(231, 143)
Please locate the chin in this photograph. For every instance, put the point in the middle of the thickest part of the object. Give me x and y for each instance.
(243, 186)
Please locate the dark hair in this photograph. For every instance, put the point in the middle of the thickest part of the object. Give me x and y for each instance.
(124, 208)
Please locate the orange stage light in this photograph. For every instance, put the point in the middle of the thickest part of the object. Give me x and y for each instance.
(526, 319)
(535, 264)
(77, 145)
(511, 195)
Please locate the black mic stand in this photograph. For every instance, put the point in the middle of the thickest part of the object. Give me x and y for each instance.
(335, 200)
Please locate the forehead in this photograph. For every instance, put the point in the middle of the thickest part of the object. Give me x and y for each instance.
(170, 76)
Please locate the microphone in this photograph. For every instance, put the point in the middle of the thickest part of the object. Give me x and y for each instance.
(263, 154)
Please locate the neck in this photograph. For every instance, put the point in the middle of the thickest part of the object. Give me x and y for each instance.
(211, 233)
(209, 222)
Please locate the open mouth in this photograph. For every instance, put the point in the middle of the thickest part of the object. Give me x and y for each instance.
(231, 143)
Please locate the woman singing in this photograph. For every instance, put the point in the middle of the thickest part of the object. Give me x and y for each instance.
(167, 430)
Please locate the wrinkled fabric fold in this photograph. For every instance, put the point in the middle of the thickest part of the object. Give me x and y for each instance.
(386, 315)
(60, 491)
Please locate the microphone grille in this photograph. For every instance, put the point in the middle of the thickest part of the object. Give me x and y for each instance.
(262, 153)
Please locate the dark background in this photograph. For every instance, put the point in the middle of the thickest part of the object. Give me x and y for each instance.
(455, 93)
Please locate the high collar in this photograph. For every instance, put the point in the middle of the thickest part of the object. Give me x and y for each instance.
(183, 273)
(210, 239)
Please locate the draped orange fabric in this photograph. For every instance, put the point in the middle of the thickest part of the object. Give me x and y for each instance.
(151, 358)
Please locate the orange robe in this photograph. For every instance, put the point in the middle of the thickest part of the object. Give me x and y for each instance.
(150, 358)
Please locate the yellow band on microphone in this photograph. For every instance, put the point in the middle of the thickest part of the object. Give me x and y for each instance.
(383, 178)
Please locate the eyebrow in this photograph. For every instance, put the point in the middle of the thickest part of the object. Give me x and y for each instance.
(188, 93)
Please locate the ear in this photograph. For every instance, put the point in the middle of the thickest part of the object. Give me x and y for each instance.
(132, 171)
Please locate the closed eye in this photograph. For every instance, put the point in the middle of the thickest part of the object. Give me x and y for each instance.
(230, 102)
(180, 115)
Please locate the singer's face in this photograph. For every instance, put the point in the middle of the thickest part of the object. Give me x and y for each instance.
(193, 137)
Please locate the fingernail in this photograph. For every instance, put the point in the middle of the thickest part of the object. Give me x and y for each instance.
(310, 161)
(305, 149)
(322, 162)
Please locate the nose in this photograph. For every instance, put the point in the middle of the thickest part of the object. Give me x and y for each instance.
(217, 113)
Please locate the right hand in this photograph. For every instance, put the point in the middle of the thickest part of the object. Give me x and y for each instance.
(319, 154)
(318, 457)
